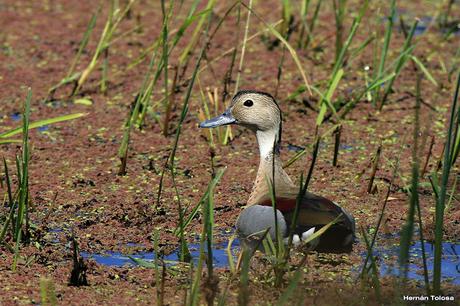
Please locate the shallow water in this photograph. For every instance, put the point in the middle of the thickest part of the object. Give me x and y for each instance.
(387, 258)
(423, 24)
(388, 261)
(16, 116)
(117, 259)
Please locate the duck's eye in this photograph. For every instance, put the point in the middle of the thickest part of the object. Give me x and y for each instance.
(248, 103)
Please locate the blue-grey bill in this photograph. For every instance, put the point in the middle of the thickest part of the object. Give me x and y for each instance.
(224, 119)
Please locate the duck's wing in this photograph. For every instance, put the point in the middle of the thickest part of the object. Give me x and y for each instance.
(316, 211)
(313, 210)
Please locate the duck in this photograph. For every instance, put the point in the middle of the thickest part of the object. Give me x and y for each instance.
(260, 113)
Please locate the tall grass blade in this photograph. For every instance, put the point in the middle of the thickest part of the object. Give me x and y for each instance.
(243, 48)
(40, 123)
(243, 293)
(311, 27)
(406, 49)
(11, 204)
(22, 212)
(386, 45)
(288, 46)
(441, 198)
(422, 67)
(195, 210)
(283, 300)
(375, 273)
(408, 228)
(47, 292)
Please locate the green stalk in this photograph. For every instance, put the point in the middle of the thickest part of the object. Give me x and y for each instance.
(11, 203)
(399, 65)
(114, 18)
(287, 17)
(83, 43)
(243, 48)
(386, 45)
(40, 123)
(441, 199)
(206, 235)
(375, 273)
(312, 25)
(209, 224)
(161, 65)
(302, 191)
(70, 76)
(105, 68)
(156, 262)
(47, 292)
(195, 210)
(24, 179)
(303, 21)
(339, 12)
(185, 54)
(243, 293)
(132, 117)
(165, 55)
(408, 228)
(170, 162)
(337, 71)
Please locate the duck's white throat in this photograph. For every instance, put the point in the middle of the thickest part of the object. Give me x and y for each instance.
(266, 140)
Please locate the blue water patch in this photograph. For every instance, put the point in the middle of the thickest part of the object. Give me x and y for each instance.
(295, 148)
(43, 128)
(423, 24)
(16, 116)
(117, 259)
(344, 146)
(450, 261)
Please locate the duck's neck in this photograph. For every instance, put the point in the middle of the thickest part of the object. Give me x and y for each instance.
(270, 164)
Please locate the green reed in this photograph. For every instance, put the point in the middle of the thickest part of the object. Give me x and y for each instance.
(170, 162)
(162, 64)
(408, 228)
(18, 200)
(373, 265)
(406, 50)
(307, 29)
(114, 18)
(207, 209)
(384, 52)
(71, 76)
(142, 102)
(288, 46)
(5, 136)
(243, 48)
(304, 8)
(440, 187)
(337, 71)
(186, 53)
(47, 292)
(22, 214)
(339, 14)
(165, 59)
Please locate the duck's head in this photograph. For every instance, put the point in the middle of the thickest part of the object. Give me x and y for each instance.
(255, 110)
